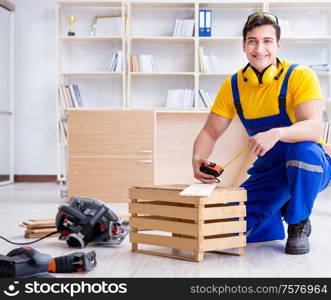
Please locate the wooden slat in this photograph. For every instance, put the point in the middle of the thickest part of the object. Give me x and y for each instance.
(161, 194)
(41, 230)
(223, 227)
(162, 225)
(164, 210)
(164, 241)
(212, 213)
(38, 224)
(223, 243)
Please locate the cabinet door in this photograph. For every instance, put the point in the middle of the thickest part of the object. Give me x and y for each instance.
(105, 132)
(108, 178)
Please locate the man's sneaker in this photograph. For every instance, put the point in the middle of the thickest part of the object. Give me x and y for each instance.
(298, 238)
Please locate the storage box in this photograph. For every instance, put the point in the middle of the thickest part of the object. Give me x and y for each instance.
(161, 217)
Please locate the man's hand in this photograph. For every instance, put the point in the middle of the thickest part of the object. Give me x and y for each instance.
(264, 141)
(205, 178)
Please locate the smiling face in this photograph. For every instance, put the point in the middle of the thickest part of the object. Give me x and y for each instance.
(261, 47)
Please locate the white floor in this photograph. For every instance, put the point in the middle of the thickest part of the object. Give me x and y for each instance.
(24, 201)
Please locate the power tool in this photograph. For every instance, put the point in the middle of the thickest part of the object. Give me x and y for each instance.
(87, 220)
(27, 262)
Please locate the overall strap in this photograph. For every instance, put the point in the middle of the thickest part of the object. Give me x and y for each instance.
(283, 90)
(236, 96)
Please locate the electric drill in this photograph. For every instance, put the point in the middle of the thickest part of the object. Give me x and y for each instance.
(27, 262)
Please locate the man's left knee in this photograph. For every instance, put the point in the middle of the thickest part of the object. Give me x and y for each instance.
(309, 152)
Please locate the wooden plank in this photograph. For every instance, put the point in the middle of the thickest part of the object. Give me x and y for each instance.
(161, 194)
(164, 210)
(223, 243)
(43, 231)
(134, 246)
(164, 241)
(46, 220)
(226, 195)
(37, 224)
(162, 225)
(223, 227)
(234, 211)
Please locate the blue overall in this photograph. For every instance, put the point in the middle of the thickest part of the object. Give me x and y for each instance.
(286, 180)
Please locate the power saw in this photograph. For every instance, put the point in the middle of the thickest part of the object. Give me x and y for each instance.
(86, 220)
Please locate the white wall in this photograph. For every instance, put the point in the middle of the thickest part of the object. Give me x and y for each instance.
(35, 77)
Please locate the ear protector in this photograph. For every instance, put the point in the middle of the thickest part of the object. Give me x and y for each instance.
(253, 76)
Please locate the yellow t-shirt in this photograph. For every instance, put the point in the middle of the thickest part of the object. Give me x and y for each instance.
(261, 100)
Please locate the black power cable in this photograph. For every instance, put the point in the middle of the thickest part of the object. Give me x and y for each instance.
(47, 235)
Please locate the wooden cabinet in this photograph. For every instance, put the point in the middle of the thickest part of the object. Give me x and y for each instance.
(109, 151)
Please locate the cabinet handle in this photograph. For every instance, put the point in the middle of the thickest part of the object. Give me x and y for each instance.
(144, 151)
(144, 161)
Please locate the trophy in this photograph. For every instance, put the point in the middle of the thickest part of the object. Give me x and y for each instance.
(71, 20)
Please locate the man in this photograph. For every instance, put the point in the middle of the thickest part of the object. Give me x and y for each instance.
(280, 104)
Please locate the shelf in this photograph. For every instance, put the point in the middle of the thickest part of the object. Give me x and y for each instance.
(90, 3)
(229, 4)
(162, 4)
(90, 74)
(89, 38)
(97, 108)
(323, 73)
(162, 74)
(214, 74)
(221, 39)
(174, 110)
(163, 39)
(298, 4)
(306, 38)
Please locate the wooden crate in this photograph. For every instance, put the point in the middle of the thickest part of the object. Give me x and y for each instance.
(196, 224)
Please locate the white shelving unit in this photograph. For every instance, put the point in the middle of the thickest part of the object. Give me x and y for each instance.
(84, 59)
(149, 29)
(7, 15)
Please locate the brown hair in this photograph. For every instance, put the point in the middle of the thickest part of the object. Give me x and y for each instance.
(260, 20)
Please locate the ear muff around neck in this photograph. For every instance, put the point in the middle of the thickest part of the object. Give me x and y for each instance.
(252, 76)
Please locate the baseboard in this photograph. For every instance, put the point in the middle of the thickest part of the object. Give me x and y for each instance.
(4, 177)
(35, 178)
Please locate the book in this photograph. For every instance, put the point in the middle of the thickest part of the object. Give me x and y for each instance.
(145, 63)
(78, 96)
(205, 98)
(73, 95)
(69, 98)
(116, 64)
(205, 22)
(180, 98)
(184, 28)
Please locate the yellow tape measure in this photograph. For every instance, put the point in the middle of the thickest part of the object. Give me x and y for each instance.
(236, 156)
